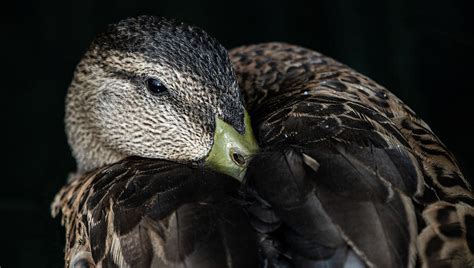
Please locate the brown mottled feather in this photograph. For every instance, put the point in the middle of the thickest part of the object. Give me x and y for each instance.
(152, 213)
(302, 98)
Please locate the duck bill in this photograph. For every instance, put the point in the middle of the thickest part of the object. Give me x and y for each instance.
(231, 150)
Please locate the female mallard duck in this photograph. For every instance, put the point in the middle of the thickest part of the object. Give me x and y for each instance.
(348, 175)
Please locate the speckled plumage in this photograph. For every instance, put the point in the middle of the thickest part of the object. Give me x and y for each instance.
(348, 174)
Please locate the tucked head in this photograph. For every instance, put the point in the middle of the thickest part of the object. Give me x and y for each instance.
(160, 89)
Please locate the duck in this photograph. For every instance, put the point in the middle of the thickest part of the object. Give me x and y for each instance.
(269, 155)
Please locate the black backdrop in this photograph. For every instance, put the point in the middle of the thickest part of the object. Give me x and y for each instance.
(421, 50)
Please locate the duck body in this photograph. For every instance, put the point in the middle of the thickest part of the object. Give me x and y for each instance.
(351, 174)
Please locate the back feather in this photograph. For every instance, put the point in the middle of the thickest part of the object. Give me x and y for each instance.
(376, 175)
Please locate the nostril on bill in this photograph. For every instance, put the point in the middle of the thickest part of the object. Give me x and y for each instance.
(238, 158)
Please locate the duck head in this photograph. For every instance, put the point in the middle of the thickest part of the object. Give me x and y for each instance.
(156, 88)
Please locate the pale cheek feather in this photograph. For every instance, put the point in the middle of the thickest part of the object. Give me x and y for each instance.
(136, 126)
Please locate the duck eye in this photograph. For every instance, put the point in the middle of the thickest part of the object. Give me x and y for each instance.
(155, 86)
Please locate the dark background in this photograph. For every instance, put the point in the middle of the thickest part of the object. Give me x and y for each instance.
(421, 50)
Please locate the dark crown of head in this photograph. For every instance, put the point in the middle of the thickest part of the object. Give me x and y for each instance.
(187, 48)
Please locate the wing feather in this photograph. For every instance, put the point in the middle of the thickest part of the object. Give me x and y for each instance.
(151, 213)
(379, 166)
